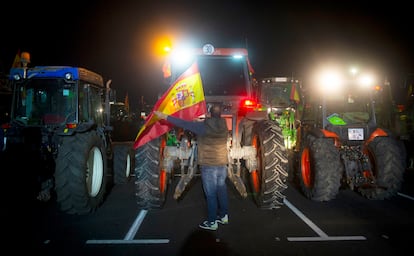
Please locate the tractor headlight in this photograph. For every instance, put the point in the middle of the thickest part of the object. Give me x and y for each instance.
(330, 81)
(366, 81)
(17, 77)
(68, 76)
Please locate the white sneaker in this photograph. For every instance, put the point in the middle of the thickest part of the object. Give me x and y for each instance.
(209, 225)
(223, 220)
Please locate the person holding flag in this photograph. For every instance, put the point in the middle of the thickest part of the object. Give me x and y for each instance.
(182, 103)
(212, 135)
(184, 99)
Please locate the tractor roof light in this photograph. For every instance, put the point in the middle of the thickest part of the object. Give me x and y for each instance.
(17, 77)
(354, 71)
(378, 88)
(366, 81)
(68, 76)
(181, 56)
(333, 80)
(330, 81)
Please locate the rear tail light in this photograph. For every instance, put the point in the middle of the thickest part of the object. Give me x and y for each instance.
(249, 104)
(5, 126)
(71, 125)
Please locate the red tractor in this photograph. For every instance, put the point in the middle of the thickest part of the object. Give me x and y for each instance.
(257, 155)
(344, 140)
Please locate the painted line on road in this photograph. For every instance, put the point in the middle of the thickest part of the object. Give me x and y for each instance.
(128, 239)
(328, 238)
(135, 226)
(406, 196)
(322, 235)
(138, 241)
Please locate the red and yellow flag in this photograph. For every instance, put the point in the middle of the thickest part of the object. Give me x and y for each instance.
(294, 94)
(184, 99)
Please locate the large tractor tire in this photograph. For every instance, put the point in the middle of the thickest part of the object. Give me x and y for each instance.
(387, 165)
(269, 180)
(151, 178)
(122, 163)
(80, 176)
(320, 169)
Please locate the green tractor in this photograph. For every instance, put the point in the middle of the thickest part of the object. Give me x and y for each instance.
(280, 97)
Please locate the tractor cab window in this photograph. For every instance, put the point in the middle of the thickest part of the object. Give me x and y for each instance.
(351, 108)
(91, 108)
(45, 101)
(275, 96)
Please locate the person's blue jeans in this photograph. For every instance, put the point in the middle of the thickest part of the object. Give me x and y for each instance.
(215, 189)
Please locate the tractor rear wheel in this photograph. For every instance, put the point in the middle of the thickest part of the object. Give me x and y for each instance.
(123, 156)
(320, 169)
(388, 169)
(269, 179)
(151, 179)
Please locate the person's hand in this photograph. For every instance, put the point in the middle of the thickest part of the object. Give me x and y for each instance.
(160, 115)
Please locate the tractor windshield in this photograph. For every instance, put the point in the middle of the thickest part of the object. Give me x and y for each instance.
(352, 108)
(45, 102)
(224, 76)
(275, 95)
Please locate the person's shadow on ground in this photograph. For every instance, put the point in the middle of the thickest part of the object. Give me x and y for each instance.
(203, 242)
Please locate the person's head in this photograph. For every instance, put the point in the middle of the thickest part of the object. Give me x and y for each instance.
(215, 110)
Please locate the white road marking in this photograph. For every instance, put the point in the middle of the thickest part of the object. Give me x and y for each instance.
(139, 241)
(131, 234)
(322, 235)
(135, 226)
(406, 196)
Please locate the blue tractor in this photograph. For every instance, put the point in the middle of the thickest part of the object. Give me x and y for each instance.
(59, 137)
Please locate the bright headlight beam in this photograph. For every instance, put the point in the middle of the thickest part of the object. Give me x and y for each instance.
(330, 81)
(366, 80)
(181, 56)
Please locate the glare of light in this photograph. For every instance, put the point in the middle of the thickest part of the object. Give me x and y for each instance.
(167, 48)
(366, 80)
(330, 80)
(353, 71)
(377, 88)
(181, 56)
(163, 46)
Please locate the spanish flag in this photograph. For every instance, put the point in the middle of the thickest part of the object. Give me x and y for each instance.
(184, 99)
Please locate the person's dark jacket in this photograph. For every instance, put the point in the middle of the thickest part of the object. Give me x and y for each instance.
(212, 135)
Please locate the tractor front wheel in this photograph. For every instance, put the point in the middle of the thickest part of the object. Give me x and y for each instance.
(80, 176)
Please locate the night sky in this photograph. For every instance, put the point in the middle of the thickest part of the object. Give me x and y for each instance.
(118, 38)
